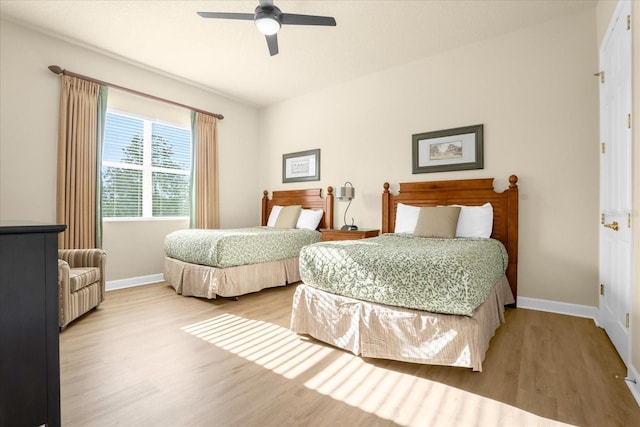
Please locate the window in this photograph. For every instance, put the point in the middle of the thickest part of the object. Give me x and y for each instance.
(146, 168)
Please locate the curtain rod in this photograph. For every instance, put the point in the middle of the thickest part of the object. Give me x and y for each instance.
(59, 70)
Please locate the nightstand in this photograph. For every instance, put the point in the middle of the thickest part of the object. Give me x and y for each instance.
(329, 234)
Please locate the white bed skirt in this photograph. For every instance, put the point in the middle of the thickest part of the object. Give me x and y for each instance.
(386, 332)
(208, 282)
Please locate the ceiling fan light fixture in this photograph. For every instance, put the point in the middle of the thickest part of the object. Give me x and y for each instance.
(267, 25)
(268, 19)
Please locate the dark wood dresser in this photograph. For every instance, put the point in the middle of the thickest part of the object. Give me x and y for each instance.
(29, 333)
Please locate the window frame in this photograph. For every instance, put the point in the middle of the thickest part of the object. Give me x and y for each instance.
(147, 169)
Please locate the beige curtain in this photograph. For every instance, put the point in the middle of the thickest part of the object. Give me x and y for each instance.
(76, 180)
(205, 209)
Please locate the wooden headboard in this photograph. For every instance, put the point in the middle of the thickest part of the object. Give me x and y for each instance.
(468, 192)
(309, 199)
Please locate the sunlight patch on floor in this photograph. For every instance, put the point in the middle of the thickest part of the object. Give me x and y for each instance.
(270, 346)
(402, 398)
(409, 400)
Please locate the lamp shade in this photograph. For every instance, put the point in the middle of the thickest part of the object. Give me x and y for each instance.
(345, 193)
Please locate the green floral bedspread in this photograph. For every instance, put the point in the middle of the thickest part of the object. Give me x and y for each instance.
(452, 276)
(231, 247)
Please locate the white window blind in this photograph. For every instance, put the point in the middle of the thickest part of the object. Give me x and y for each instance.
(146, 168)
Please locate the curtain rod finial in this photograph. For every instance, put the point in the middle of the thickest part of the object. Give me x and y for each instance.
(55, 69)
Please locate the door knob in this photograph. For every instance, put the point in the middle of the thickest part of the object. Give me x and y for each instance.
(613, 226)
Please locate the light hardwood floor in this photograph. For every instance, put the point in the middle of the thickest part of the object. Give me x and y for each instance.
(149, 357)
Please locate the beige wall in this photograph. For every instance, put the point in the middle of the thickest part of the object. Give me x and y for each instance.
(28, 131)
(604, 12)
(535, 93)
(136, 249)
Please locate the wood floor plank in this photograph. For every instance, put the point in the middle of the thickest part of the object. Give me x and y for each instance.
(150, 357)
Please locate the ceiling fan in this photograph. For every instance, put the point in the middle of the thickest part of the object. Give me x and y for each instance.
(269, 18)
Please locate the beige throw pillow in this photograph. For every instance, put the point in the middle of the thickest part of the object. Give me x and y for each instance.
(288, 216)
(439, 222)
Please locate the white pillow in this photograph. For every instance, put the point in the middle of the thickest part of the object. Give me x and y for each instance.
(273, 216)
(475, 221)
(406, 218)
(309, 218)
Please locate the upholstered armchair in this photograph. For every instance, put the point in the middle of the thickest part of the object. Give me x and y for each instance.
(81, 281)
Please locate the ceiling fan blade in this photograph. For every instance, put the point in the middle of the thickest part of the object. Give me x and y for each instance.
(272, 42)
(295, 19)
(225, 15)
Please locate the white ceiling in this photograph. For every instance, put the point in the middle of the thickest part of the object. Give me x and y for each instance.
(231, 57)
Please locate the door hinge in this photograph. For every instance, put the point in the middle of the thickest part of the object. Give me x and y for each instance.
(601, 75)
(628, 220)
(627, 321)
(601, 218)
(629, 120)
(603, 148)
(628, 22)
(601, 289)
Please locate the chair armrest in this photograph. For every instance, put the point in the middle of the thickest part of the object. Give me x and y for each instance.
(63, 277)
(62, 266)
(83, 257)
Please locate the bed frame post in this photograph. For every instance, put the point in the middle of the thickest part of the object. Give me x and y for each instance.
(512, 268)
(386, 228)
(329, 206)
(265, 208)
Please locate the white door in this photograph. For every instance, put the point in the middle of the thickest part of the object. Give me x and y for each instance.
(615, 180)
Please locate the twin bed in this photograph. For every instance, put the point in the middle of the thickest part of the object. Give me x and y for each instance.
(377, 311)
(234, 262)
(398, 296)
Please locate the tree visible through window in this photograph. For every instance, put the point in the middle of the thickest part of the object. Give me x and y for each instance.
(145, 169)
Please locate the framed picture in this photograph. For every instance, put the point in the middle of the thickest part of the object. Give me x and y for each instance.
(301, 166)
(448, 150)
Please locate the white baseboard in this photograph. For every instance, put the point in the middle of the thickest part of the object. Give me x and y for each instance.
(560, 307)
(133, 281)
(632, 373)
